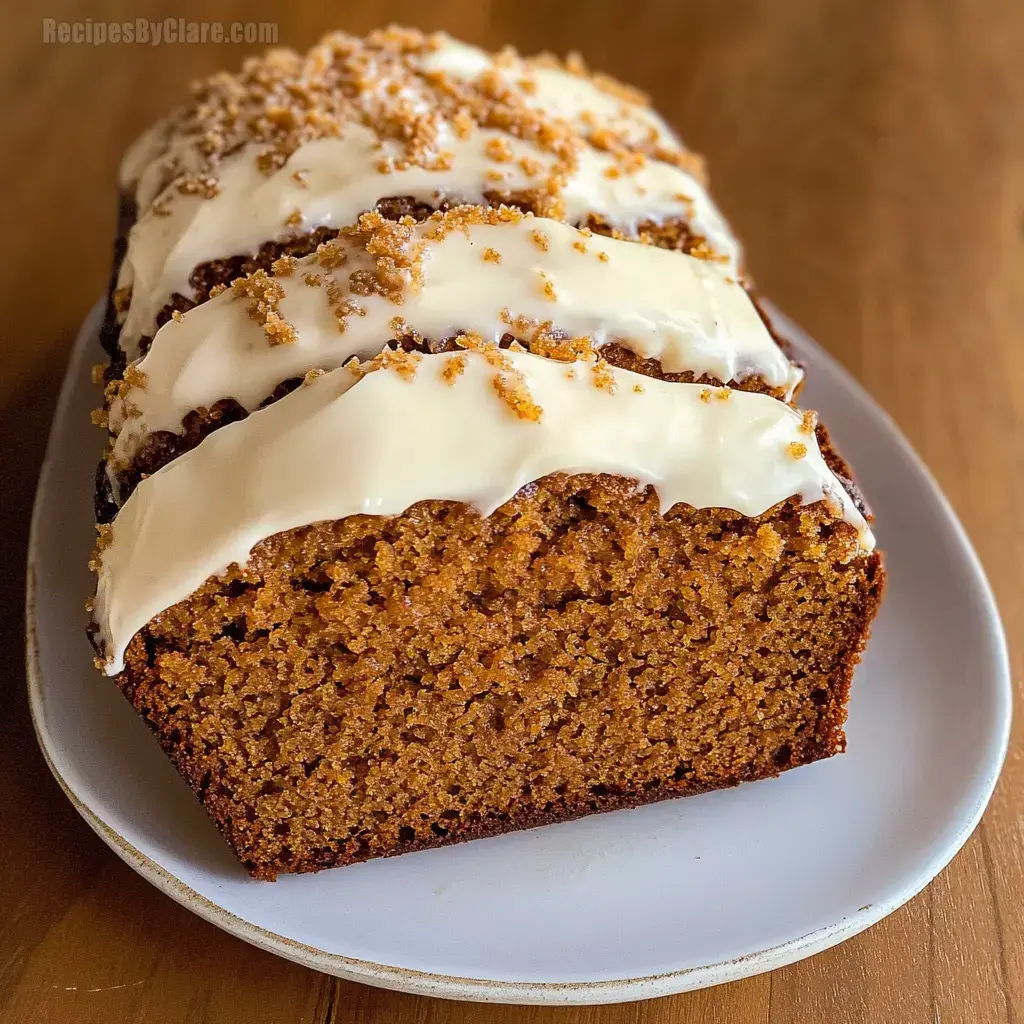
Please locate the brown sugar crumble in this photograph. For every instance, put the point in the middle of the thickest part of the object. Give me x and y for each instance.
(513, 391)
(453, 368)
(491, 255)
(263, 294)
(284, 266)
(603, 377)
(797, 449)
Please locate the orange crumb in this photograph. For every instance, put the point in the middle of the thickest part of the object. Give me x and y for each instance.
(604, 378)
(453, 369)
(499, 150)
(797, 449)
(134, 377)
(284, 266)
(512, 390)
(809, 422)
(548, 287)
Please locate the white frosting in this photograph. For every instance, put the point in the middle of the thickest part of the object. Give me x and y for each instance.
(688, 313)
(338, 447)
(573, 98)
(340, 180)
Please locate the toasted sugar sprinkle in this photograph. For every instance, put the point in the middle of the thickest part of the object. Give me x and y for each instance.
(283, 100)
(512, 389)
(797, 449)
(134, 377)
(405, 364)
(453, 368)
(284, 266)
(499, 150)
(278, 330)
(809, 423)
(491, 255)
(540, 239)
(104, 535)
(264, 293)
(603, 377)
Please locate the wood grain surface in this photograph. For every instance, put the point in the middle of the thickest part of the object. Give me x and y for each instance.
(870, 153)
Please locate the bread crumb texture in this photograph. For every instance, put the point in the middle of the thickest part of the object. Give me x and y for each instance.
(371, 686)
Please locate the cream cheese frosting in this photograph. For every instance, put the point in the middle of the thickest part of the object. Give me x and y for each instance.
(344, 445)
(329, 180)
(686, 312)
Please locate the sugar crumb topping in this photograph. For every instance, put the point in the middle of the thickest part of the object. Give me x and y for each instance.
(512, 389)
(453, 368)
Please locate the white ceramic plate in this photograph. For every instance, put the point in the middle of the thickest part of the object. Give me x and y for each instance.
(626, 905)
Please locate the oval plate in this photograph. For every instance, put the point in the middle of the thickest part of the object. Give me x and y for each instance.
(619, 906)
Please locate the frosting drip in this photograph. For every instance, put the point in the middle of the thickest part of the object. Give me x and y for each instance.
(341, 446)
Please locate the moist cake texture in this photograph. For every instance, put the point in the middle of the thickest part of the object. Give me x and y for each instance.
(455, 481)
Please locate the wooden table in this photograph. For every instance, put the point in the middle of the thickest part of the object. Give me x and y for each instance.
(871, 154)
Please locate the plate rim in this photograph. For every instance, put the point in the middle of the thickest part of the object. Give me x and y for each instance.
(531, 992)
